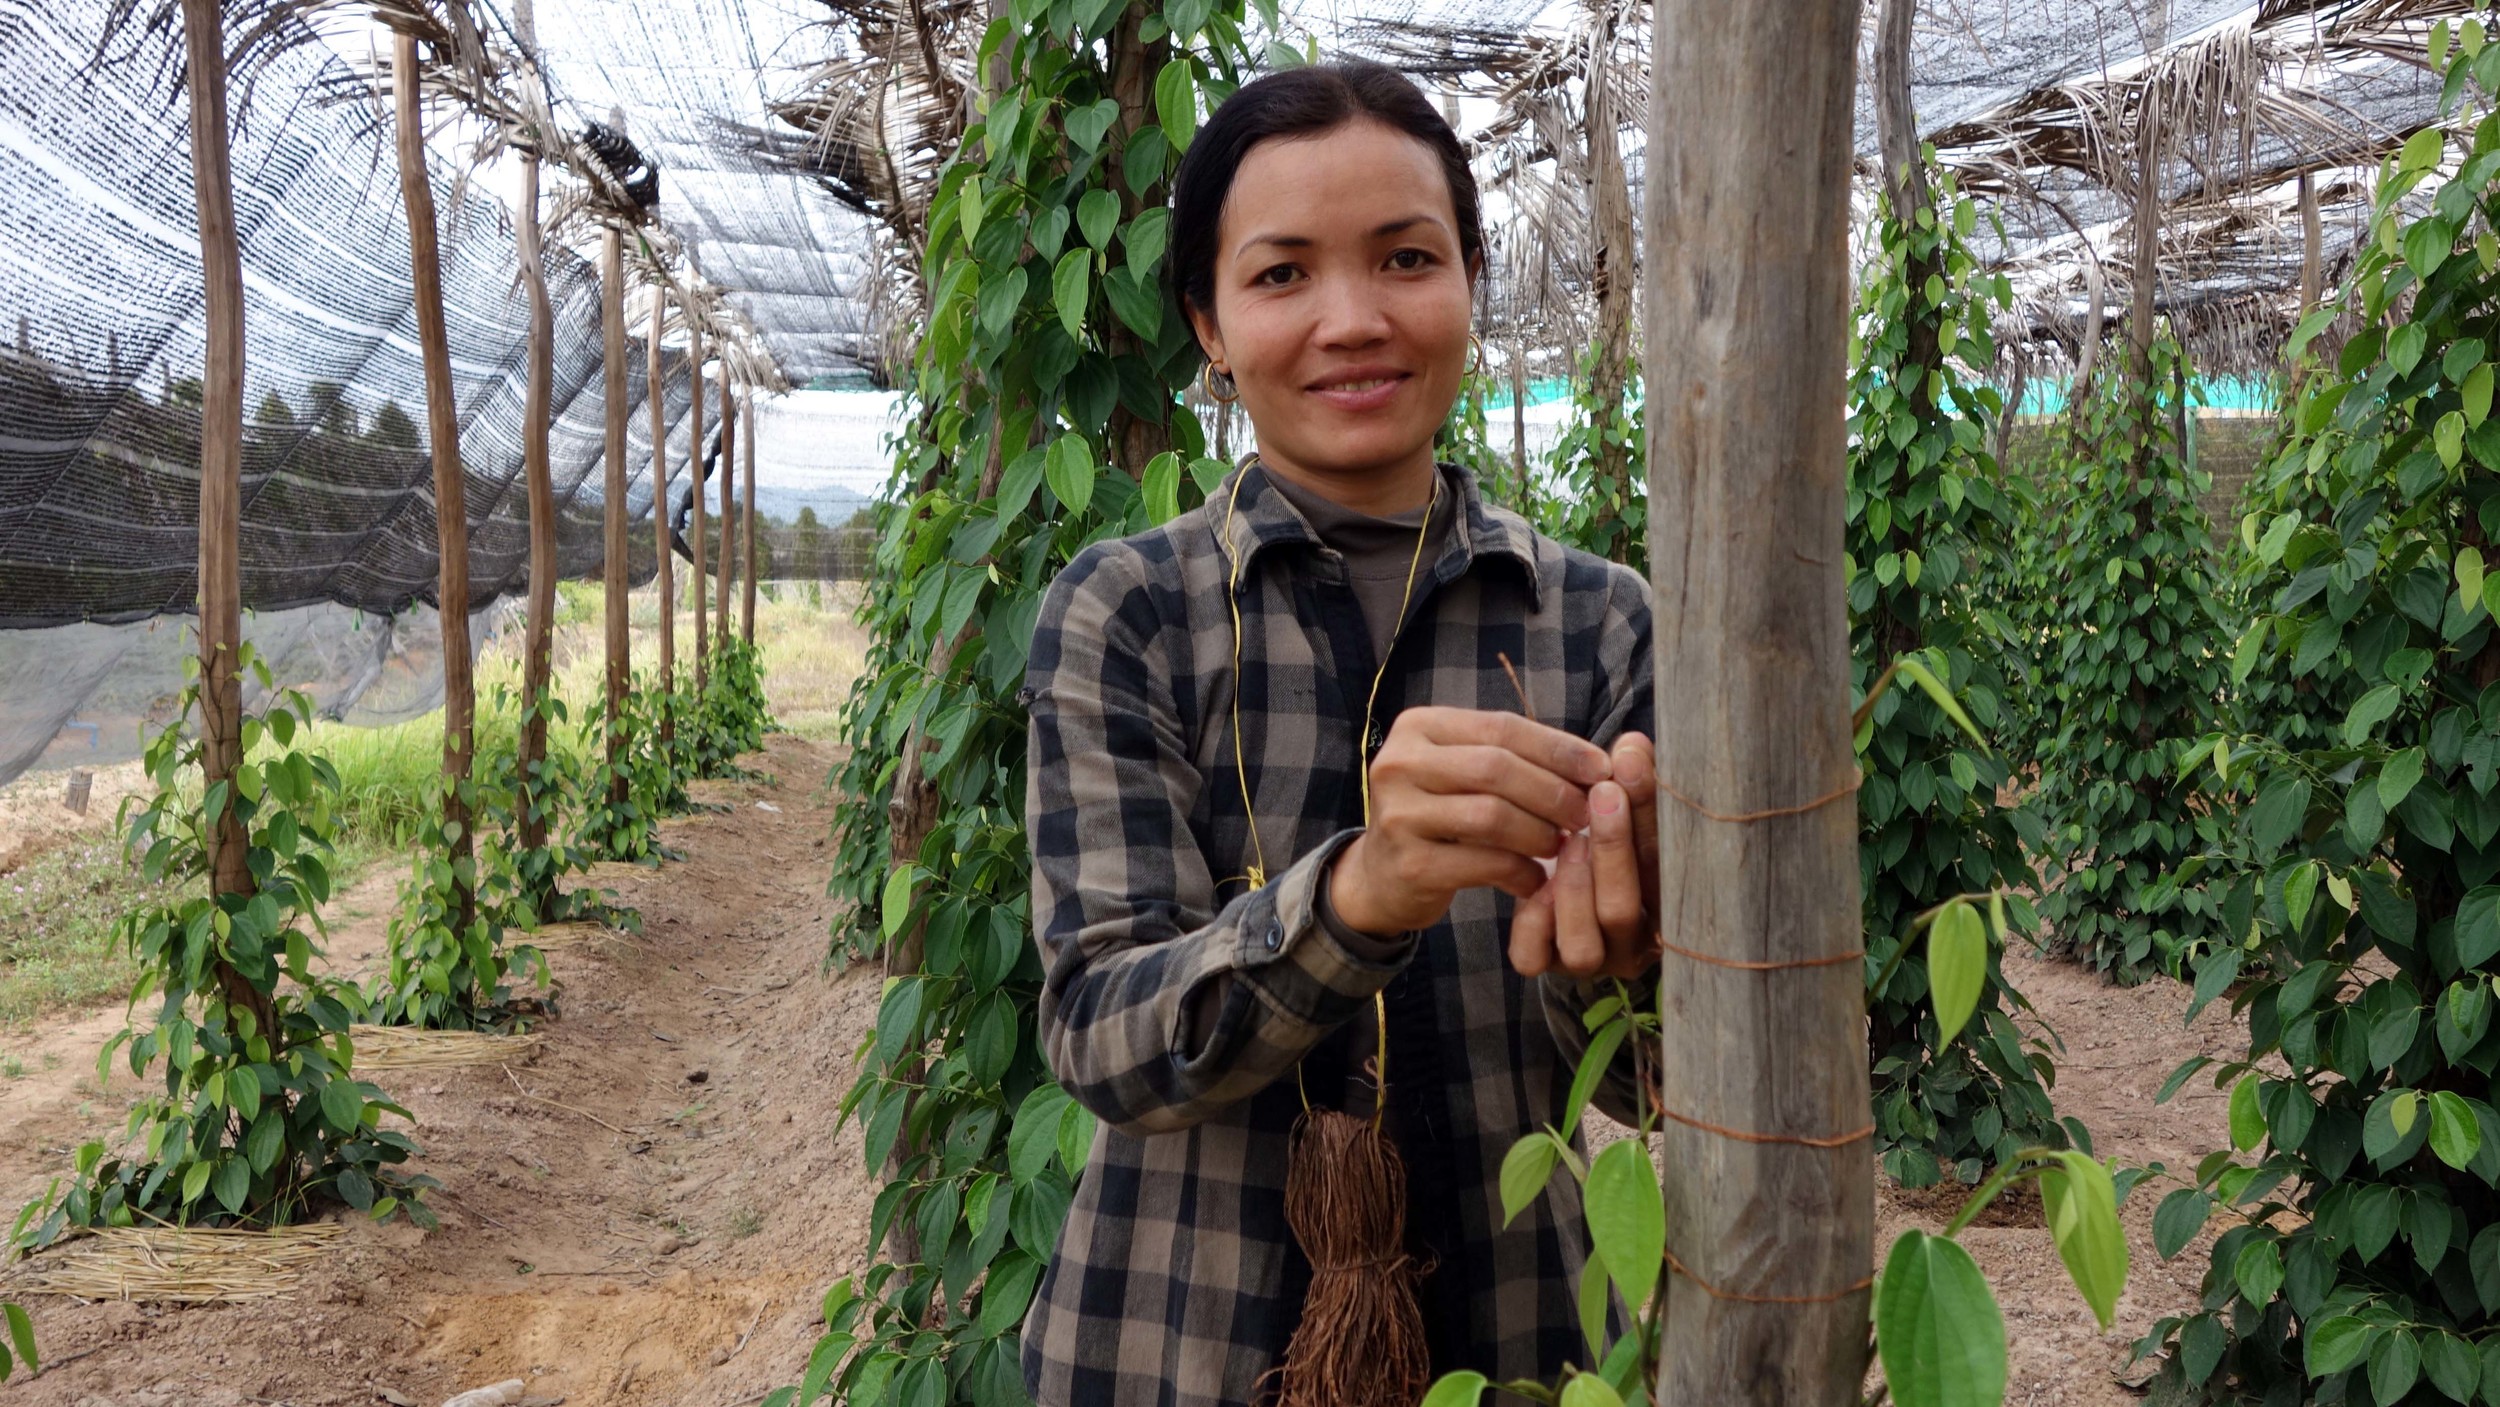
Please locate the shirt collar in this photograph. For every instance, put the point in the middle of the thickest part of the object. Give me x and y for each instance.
(1249, 516)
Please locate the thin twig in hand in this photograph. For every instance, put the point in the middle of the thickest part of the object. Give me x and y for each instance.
(1515, 686)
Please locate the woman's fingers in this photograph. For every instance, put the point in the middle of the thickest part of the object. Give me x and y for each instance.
(1532, 933)
(1575, 760)
(1483, 770)
(1579, 944)
(1636, 769)
(1615, 864)
(1488, 821)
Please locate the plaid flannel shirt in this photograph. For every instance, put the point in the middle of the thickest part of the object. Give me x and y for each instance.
(1179, 1001)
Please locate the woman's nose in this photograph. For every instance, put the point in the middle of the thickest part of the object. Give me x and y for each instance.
(1351, 314)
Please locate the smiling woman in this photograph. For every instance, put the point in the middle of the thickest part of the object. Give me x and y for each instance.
(1315, 671)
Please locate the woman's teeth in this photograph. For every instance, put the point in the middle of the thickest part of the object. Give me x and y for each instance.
(1357, 385)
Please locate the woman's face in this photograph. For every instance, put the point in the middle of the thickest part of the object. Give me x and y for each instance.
(1341, 308)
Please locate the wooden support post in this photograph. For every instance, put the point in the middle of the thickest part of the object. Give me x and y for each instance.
(1616, 272)
(1747, 286)
(442, 419)
(538, 632)
(2310, 244)
(617, 547)
(695, 525)
(1519, 415)
(728, 507)
(655, 391)
(221, 474)
(746, 447)
(2147, 271)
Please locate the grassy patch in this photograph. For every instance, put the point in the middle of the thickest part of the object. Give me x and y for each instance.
(57, 914)
(56, 928)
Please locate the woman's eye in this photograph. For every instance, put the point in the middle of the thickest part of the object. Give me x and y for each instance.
(1409, 259)
(1277, 276)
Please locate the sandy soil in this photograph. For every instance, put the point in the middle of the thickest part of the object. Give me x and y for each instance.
(649, 1212)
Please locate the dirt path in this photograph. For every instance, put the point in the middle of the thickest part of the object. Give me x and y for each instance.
(648, 1213)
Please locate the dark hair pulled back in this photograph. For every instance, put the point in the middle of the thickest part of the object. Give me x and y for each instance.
(1302, 102)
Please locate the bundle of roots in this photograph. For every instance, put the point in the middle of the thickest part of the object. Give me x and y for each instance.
(1361, 1339)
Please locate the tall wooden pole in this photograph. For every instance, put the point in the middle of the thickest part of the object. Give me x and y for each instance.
(728, 509)
(655, 391)
(612, 490)
(221, 472)
(1616, 274)
(538, 635)
(1747, 297)
(2310, 242)
(746, 446)
(694, 458)
(442, 419)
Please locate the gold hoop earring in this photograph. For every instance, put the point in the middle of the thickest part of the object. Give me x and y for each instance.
(1207, 383)
(1475, 355)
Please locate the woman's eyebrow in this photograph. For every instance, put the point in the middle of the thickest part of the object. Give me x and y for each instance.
(1379, 231)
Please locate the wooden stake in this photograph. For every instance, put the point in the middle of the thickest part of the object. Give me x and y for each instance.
(746, 446)
(695, 525)
(221, 471)
(1747, 297)
(451, 510)
(617, 547)
(655, 391)
(728, 510)
(2147, 271)
(2310, 241)
(1616, 273)
(538, 634)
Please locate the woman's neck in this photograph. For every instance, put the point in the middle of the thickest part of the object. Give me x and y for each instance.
(1382, 492)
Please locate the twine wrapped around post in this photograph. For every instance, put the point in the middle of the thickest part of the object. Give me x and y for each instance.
(1361, 1339)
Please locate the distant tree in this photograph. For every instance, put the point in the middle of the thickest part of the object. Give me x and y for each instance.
(273, 411)
(185, 392)
(325, 404)
(809, 551)
(392, 427)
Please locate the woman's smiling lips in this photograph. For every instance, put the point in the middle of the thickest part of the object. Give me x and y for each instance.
(1360, 388)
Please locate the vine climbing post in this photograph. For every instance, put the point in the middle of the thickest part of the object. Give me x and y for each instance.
(655, 380)
(538, 634)
(612, 487)
(1769, 1187)
(728, 509)
(694, 469)
(221, 466)
(451, 512)
(746, 446)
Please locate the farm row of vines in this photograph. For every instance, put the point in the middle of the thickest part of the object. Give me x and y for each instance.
(262, 1120)
(2265, 766)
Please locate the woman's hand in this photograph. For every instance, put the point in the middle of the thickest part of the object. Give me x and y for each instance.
(1597, 915)
(1461, 799)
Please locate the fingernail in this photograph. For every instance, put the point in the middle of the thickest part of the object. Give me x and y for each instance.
(1606, 799)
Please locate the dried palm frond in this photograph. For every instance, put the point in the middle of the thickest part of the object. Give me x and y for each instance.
(659, 257)
(1565, 240)
(259, 33)
(882, 117)
(413, 1048)
(179, 1265)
